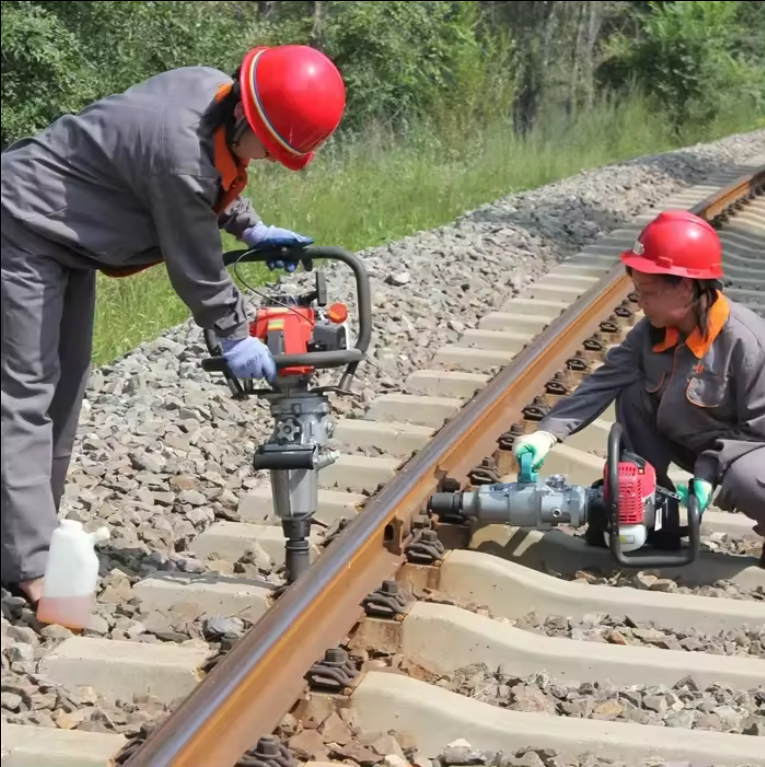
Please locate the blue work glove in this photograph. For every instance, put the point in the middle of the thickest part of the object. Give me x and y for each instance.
(249, 358)
(701, 489)
(262, 236)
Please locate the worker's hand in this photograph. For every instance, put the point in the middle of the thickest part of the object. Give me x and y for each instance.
(701, 489)
(538, 443)
(262, 236)
(249, 358)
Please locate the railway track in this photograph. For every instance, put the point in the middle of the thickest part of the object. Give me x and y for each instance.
(508, 639)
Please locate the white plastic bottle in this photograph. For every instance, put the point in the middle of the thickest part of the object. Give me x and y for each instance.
(71, 576)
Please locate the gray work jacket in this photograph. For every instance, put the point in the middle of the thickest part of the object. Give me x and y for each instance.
(135, 179)
(710, 392)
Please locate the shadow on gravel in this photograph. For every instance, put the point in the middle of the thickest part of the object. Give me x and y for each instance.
(569, 222)
(132, 561)
(572, 222)
(568, 556)
(688, 168)
(135, 562)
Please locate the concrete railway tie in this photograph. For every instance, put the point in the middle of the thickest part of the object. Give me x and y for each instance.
(435, 641)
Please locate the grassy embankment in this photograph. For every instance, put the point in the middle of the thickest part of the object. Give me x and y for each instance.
(377, 190)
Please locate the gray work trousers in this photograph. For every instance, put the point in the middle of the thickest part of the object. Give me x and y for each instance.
(743, 484)
(47, 335)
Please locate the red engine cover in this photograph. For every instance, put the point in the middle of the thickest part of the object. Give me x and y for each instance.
(296, 325)
(636, 483)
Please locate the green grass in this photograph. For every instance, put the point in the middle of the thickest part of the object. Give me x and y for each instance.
(380, 189)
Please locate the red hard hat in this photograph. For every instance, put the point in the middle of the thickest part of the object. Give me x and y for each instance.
(294, 98)
(680, 243)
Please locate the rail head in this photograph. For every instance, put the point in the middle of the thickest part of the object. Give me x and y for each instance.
(248, 692)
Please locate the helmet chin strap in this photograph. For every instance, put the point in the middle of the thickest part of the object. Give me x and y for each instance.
(235, 126)
(238, 130)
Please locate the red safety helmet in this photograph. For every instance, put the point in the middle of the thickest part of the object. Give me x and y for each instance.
(680, 243)
(294, 98)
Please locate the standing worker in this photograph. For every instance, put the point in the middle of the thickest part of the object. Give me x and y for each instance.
(145, 177)
(689, 378)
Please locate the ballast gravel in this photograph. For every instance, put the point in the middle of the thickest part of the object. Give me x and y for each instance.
(622, 630)
(717, 708)
(462, 754)
(648, 581)
(163, 450)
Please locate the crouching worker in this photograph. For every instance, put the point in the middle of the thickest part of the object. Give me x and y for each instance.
(689, 378)
(145, 177)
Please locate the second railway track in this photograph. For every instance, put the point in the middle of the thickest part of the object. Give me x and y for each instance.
(509, 640)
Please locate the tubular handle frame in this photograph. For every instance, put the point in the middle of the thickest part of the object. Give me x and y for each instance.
(657, 560)
(320, 360)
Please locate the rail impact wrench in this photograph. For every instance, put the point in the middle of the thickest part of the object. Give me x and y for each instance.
(626, 510)
(305, 336)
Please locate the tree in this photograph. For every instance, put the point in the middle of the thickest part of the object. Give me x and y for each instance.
(689, 56)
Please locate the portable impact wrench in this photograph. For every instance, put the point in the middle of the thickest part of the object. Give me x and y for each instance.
(303, 337)
(624, 511)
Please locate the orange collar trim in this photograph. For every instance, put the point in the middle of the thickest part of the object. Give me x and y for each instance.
(225, 163)
(233, 173)
(718, 316)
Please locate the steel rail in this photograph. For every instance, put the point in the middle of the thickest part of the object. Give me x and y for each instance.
(246, 695)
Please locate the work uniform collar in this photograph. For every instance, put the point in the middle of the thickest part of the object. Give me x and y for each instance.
(719, 312)
(233, 172)
(229, 167)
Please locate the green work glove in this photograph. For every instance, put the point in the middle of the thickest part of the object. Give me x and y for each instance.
(701, 489)
(538, 444)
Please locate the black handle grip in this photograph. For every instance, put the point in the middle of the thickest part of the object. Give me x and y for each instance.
(686, 557)
(331, 359)
(293, 254)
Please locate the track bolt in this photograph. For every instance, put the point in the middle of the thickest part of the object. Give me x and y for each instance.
(486, 473)
(387, 602)
(335, 673)
(425, 549)
(537, 410)
(506, 440)
(269, 752)
(421, 522)
(578, 363)
(336, 655)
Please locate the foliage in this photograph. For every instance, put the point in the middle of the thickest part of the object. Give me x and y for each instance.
(697, 59)
(45, 71)
(451, 64)
(404, 61)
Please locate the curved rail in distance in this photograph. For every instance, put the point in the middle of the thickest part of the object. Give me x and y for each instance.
(246, 695)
